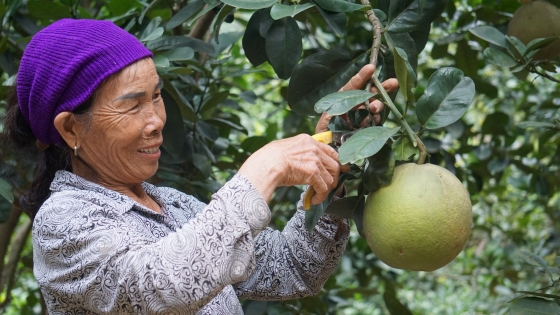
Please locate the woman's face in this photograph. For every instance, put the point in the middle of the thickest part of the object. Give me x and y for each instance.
(121, 144)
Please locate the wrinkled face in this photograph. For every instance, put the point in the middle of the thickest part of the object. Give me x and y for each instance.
(121, 144)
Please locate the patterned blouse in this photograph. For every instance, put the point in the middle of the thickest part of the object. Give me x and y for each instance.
(97, 251)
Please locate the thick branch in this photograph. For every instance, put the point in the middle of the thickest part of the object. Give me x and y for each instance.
(377, 31)
(202, 25)
(6, 230)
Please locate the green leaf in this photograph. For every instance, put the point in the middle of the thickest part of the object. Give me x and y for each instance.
(358, 216)
(182, 53)
(491, 35)
(254, 143)
(250, 4)
(405, 75)
(170, 42)
(365, 143)
(539, 43)
(6, 190)
(341, 102)
(152, 31)
(279, 11)
(339, 5)
(411, 20)
(225, 11)
(185, 107)
(543, 295)
(535, 260)
(185, 13)
(405, 42)
(336, 20)
(392, 303)
(253, 43)
(516, 46)
(379, 170)
(210, 5)
(343, 208)
(535, 124)
(160, 61)
(321, 74)
(48, 10)
(533, 306)
(313, 215)
(498, 58)
(404, 149)
(283, 46)
(174, 129)
(446, 98)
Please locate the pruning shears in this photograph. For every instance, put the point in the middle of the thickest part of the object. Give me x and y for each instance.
(334, 138)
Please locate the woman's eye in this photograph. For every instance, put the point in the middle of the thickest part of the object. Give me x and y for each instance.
(157, 96)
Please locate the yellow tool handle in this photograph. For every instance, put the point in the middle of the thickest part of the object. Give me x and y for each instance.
(324, 137)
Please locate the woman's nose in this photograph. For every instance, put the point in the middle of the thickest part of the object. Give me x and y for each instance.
(156, 119)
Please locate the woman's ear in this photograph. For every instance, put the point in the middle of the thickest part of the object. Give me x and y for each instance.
(68, 128)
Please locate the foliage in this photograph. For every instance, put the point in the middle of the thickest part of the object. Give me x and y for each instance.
(221, 109)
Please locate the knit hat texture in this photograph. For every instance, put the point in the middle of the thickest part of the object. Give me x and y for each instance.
(64, 64)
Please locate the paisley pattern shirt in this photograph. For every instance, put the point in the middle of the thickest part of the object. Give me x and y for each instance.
(97, 251)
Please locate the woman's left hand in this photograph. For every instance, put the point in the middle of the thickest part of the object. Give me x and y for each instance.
(357, 81)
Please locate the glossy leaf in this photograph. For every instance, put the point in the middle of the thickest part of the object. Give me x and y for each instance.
(339, 5)
(379, 170)
(184, 14)
(181, 53)
(283, 46)
(404, 149)
(358, 216)
(533, 306)
(539, 43)
(405, 42)
(250, 4)
(166, 43)
(343, 208)
(48, 10)
(498, 58)
(491, 35)
(341, 102)
(253, 43)
(336, 20)
(516, 46)
(365, 143)
(405, 75)
(185, 107)
(446, 98)
(6, 190)
(411, 20)
(321, 74)
(535, 124)
(279, 11)
(220, 18)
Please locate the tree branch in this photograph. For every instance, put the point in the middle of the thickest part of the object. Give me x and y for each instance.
(543, 74)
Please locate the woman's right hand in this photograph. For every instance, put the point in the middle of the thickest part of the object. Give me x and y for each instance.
(299, 160)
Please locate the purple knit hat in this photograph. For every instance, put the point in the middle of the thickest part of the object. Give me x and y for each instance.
(64, 64)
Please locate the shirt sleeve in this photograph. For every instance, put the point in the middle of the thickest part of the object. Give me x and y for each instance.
(88, 257)
(295, 263)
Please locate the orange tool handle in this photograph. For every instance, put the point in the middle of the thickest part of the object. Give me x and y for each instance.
(326, 138)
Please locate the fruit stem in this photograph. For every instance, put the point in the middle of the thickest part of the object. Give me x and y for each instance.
(393, 108)
(422, 149)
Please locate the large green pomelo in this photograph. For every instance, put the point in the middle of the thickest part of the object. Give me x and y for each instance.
(537, 19)
(421, 220)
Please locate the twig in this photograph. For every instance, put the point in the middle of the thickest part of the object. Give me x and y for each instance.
(423, 151)
(377, 31)
(9, 273)
(543, 74)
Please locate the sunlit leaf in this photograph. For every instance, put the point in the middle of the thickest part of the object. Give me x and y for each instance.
(341, 102)
(491, 35)
(405, 75)
(365, 143)
(535, 124)
(279, 11)
(250, 4)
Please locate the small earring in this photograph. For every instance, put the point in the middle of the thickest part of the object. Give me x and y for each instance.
(75, 151)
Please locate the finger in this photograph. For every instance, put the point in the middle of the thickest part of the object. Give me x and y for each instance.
(323, 123)
(389, 85)
(359, 79)
(376, 106)
(377, 119)
(345, 168)
(330, 161)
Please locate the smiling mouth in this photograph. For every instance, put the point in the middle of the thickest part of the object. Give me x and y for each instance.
(149, 151)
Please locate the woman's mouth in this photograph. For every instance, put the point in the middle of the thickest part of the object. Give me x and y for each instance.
(150, 150)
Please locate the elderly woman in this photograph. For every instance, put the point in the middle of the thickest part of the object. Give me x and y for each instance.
(104, 240)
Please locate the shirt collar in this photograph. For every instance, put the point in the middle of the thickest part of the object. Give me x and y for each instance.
(68, 181)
